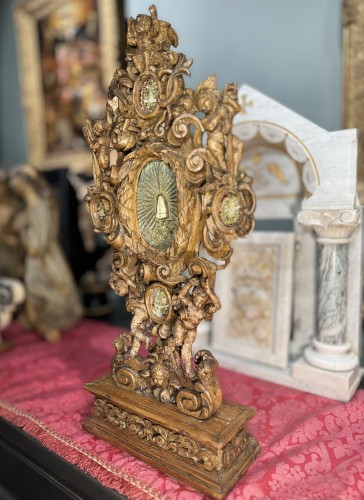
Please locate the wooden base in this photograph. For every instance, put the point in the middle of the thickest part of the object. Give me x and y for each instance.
(209, 455)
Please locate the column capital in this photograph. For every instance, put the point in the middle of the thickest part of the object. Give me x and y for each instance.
(331, 226)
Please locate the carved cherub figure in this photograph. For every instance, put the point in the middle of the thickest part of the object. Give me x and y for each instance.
(124, 137)
(138, 325)
(124, 281)
(192, 308)
(96, 136)
(163, 388)
(219, 109)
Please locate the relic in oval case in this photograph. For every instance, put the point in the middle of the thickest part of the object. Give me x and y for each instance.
(169, 198)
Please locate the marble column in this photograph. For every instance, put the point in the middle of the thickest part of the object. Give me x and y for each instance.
(331, 349)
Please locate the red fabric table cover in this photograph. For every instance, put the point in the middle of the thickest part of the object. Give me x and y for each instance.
(312, 447)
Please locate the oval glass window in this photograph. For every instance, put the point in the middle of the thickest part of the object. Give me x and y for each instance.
(157, 204)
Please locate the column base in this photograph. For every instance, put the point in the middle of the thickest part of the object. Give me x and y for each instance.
(330, 384)
(299, 375)
(332, 357)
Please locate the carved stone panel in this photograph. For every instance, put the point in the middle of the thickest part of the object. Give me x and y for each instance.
(256, 296)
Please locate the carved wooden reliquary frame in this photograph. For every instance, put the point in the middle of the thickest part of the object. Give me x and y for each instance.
(167, 187)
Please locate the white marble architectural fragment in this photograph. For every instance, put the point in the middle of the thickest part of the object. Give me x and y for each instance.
(256, 299)
(308, 174)
(331, 350)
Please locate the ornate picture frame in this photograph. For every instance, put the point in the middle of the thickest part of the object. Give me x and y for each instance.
(353, 72)
(256, 295)
(67, 53)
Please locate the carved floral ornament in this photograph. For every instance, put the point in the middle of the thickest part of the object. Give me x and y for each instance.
(173, 190)
(178, 443)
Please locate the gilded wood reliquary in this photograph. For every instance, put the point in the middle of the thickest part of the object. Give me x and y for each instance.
(169, 199)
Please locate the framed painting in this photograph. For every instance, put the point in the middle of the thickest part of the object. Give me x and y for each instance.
(353, 69)
(256, 297)
(68, 52)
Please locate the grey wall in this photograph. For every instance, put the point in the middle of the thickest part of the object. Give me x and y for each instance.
(12, 134)
(288, 49)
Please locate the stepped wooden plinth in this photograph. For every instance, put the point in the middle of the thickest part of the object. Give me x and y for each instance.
(209, 455)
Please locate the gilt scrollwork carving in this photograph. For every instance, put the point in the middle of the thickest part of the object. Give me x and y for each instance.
(166, 186)
(165, 438)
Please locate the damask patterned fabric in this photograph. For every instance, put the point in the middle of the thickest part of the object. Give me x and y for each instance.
(312, 447)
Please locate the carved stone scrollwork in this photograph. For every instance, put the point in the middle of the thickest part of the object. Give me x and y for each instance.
(171, 190)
